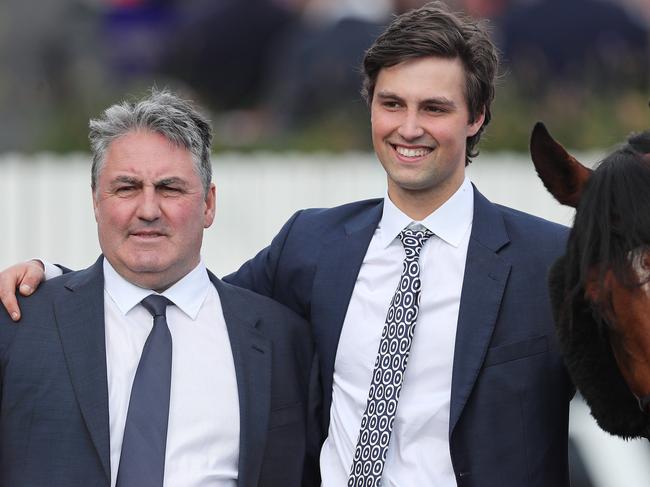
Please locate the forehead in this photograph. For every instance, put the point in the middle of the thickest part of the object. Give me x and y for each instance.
(422, 78)
(147, 153)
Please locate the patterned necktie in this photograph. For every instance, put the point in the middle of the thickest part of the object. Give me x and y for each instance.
(142, 462)
(388, 373)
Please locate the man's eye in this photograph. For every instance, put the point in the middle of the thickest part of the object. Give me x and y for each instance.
(434, 109)
(391, 104)
(125, 190)
(169, 190)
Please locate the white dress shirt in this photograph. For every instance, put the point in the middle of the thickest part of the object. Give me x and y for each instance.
(418, 453)
(203, 430)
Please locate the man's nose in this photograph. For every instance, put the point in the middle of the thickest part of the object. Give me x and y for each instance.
(149, 204)
(410, 128)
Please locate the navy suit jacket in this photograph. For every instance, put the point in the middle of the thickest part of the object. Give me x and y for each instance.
(510, 392)
(54, 424)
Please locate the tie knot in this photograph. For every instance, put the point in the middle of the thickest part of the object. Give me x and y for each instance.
(156, 304)
(413, 240)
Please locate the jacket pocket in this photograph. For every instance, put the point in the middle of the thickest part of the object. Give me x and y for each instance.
(517, 350)
(286, 415)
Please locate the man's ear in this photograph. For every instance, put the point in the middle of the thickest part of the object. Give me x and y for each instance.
(93, 195)
(476, 124)
(210, 206)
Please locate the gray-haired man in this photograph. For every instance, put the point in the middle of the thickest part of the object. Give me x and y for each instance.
(145, 369)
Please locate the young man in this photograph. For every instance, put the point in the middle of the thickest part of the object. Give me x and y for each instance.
(476, 393)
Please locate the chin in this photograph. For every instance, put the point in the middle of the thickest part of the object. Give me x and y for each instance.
(144, 262)
(146, 267)
(414, 185)
(148, 276)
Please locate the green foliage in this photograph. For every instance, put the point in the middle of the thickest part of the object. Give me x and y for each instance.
(581, 119)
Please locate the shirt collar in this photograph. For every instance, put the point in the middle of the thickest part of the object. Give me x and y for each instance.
(449, 222)
(188, 294)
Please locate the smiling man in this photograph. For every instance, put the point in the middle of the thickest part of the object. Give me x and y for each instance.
(429, 307)
(145, 370)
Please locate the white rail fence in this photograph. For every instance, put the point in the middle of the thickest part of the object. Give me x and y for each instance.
(45, 200)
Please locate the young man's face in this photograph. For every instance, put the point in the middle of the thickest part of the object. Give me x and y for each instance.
(420, 123)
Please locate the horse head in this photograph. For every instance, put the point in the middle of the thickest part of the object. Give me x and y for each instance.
(600, 288)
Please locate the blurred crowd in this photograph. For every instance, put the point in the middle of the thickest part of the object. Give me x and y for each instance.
(271, 67)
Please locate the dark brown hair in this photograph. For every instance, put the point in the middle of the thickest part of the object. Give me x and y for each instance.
(432, 30)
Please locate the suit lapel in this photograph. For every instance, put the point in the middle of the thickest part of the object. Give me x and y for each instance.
(252, 358)
(80, 321)
(486, 274)
(338, 268)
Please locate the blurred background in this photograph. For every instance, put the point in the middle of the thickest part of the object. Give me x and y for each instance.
(283, 74)
(280, 81)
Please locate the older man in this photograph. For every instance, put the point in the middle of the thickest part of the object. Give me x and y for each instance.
(145, 369)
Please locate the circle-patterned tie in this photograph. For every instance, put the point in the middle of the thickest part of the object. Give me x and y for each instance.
(388, 373)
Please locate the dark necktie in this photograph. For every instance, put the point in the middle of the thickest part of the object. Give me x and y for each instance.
(142, 462)
(390, 365)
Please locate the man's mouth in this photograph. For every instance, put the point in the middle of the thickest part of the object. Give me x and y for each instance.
(147, 234)
(412, 152)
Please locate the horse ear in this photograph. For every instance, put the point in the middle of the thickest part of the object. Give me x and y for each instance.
(561, 173)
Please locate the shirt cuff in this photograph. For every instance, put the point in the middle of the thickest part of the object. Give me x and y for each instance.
(51, 271)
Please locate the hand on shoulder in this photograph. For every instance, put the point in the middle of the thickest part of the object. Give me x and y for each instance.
(26, 277)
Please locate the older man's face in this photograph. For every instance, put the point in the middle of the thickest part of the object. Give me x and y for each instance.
(151, 210)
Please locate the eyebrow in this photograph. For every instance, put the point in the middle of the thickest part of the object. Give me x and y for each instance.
(138, 182)
(442, 101)
(171, 181)
(125, 180)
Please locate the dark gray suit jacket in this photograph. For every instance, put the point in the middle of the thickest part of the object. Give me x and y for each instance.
(54, 426)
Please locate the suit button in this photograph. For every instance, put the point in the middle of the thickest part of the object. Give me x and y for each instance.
(462, 478)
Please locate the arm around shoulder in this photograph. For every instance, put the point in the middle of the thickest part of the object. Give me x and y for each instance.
(25, 277)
